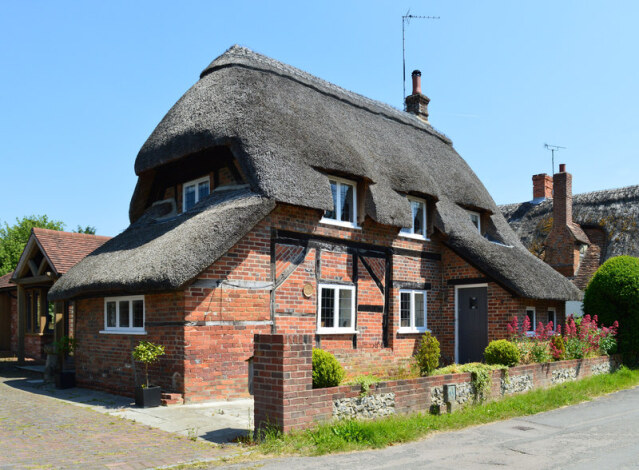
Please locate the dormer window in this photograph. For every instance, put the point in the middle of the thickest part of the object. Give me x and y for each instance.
(475, 218)
(344, 203)
(194, 191)
(418, 211)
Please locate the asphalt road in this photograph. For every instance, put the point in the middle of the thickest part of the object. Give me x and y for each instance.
(601, 434)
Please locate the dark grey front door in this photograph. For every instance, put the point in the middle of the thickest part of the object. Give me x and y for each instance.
(472, 318)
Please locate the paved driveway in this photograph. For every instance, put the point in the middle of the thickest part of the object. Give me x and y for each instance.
(602, 434)
(38, 431)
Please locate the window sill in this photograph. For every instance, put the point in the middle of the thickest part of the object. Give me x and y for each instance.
(122, 332)
(336, 331)
(338, 223)
(412, 331)
(412, 236)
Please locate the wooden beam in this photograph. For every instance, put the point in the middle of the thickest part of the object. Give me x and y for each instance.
(33, 267)
(29, 281)
(21, 323)
(43, 265)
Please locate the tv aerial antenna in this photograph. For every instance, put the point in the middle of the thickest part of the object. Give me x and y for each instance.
(553, 149)
(406, 20)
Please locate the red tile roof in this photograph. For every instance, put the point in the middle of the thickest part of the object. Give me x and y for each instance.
(65, 249)
(4, 281)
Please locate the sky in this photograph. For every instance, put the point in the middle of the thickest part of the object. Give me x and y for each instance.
(84, 84)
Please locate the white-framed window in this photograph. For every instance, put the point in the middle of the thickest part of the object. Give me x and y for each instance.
(344, 203)
(124, 315)
(531, 314)
(418, 212)
(194, 191)
(412, 311)
(475, 219)
(336, 309)
(552, 317)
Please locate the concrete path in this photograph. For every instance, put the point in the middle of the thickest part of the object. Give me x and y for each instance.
(218, 422)
(41, 427)
(602, 434)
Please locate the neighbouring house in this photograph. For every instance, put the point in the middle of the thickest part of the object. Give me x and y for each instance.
(47, 256)
(8, 314)
(576, 234)
(271, 201)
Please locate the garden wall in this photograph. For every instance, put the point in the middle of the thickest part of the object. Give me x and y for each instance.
(284, 394)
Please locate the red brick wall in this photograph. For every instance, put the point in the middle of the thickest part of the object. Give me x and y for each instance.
(284, 396)
(103, 361)
(230, 302)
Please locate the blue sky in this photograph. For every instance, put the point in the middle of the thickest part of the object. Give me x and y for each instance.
(85, 83)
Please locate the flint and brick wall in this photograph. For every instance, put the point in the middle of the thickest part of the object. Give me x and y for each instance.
(284, 394)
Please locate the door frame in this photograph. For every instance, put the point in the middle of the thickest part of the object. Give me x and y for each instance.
(466, 286)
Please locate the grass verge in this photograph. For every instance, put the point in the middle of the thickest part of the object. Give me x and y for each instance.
(352, 435)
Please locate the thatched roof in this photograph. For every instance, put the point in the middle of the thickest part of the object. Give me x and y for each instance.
(289, 130)
(159, 254)
(616, 211)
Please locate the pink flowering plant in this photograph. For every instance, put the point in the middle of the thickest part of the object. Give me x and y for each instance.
(581, 339)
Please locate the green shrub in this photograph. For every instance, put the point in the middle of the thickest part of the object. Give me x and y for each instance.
(327, 371)
(427, 356)
(558, 348)
(613, 294)
(502, 352)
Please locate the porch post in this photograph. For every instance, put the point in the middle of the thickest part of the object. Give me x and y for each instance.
(21, 323)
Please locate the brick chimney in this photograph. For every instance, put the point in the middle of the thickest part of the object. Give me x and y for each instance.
(417, 103)
(566, 240)
(542, 187)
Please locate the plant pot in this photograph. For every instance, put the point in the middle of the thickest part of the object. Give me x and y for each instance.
(65, 379)
(148, 397)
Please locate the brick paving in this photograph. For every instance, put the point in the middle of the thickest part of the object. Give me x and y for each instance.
(37, 431)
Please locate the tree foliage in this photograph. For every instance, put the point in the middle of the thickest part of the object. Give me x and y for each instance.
(89, 229)
(14, 238)
(613, 294)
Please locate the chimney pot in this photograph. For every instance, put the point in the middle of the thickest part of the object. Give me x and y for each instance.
(562, 168)
(417, 103)
(417, 82)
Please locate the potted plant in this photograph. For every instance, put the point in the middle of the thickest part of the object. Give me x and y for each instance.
(147, 396)
(64, 376)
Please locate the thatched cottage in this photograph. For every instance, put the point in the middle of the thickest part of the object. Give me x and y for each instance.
(576, 234)
(269, 200)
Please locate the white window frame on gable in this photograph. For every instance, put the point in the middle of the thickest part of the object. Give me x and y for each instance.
(334, 217)
(413, 314)
(533, 324)
(415, 209)
(475, 219)
(337, 290)
(119, 315)
(198, 195)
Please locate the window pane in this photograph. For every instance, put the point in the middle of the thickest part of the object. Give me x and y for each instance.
(531, 318)
(418, 217)
(189, 197)
(203, 190)
(110, 313)
(475, 220)
(419, 310)
(551, 318)
(138, 313)
(124, 314)
(327, 308)
(345, 297)
(404, 309)
(331, 213)
(346, 196)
